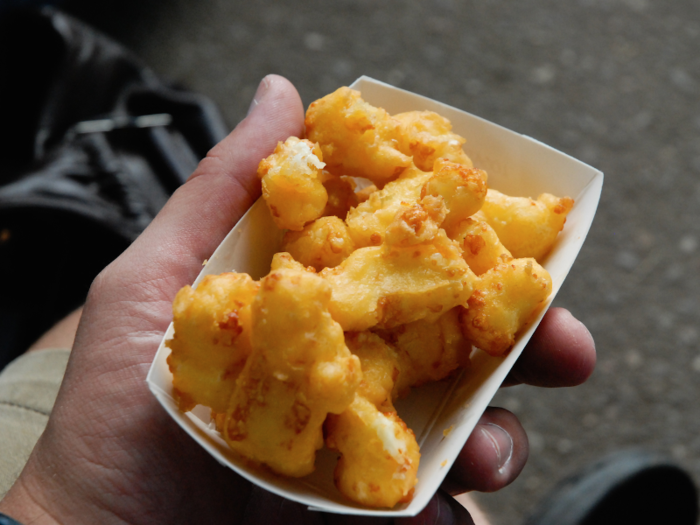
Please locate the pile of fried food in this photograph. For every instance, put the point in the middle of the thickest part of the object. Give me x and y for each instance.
(376, 290)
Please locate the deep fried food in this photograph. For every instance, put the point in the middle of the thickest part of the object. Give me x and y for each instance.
(482, 248)
(356, 138)
(367, 223)
(428, 137)
(364, 193)
(504, 300)
(381, 367)
(341, 195)
(377, 291)
(292, 183)
(386, 285)
(361, 140)
(416, 224)
(299, 371)
(379, 454)
(324, 243)
(463, 190)
(284, 261)
(212, 339)
(428, 350)
(527, 227)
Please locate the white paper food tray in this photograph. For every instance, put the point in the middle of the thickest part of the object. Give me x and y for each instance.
(516, 165)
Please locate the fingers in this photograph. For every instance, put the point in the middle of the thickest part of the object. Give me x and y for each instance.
(493, 456)
(132, 297)
(225, 184)
(560, 353)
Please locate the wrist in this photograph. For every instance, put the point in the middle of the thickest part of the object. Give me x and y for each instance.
(20, 505)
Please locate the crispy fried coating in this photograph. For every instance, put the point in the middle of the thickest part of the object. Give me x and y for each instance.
(428, 137)
(292, 183)
(417, 223)
(299, 371)
(462, 188)
(376, 291)
(364, 193)
(504, 300)
(367, 223)
(527, 227)
(379, 454)
(341, 195)
(356, 138)
(386, 286)
(381, 368)
(324, 243)
(482, 248)
(212, 339)
(427, 350)
(284, 261)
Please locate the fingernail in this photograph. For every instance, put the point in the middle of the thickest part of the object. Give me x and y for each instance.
(574, 334)
(263, 88)
(502, 443)
(589, 335)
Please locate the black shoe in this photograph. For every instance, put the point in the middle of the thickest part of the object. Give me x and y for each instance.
(632, 487)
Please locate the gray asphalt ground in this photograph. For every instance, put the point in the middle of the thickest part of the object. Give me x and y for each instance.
(614, 83)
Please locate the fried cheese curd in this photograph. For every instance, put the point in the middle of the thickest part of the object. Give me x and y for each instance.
(376, 291)
(462, 189)
(394, 284)
(298, 190)
(356, 138)
(324, 243)
(298, 372)
(379, 455)
(482, 249)
(429, 137)
(428, 350)
(212, 339)
(527, 227)
(504, 299)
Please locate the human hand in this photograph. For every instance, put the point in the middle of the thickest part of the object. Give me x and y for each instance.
(111, 454)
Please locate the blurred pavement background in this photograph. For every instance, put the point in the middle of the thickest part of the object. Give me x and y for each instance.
(615, 83)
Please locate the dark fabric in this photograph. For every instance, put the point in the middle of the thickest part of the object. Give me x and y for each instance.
(71, 200)
(6, 520)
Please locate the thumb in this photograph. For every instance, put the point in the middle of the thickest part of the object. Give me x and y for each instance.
(139, 286)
